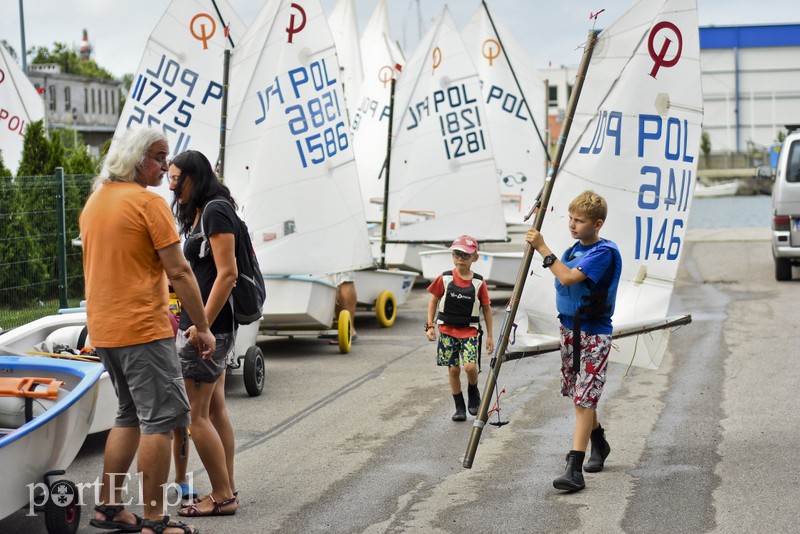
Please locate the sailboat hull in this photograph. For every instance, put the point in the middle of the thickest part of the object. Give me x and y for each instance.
(497, 268)
(371, 283)
(298, 303)
(52, 439)
(404, 256)
(65, 329)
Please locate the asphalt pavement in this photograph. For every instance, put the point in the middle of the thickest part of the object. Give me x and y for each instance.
(363, 442)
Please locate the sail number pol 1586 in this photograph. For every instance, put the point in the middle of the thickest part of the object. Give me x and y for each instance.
(664, 189)
(316, 123)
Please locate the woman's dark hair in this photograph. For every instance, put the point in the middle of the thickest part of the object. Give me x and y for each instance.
(205, 187)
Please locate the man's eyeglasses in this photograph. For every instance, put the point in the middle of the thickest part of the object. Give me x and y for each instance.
(161, 160)
(461, 255)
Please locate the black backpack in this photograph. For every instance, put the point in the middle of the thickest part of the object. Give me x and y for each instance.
(247, 297)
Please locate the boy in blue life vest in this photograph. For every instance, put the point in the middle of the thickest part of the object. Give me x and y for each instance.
(586, 282)
(457, 297)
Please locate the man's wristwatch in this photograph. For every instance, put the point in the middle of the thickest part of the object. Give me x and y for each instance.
(549, 260)
(428, 326)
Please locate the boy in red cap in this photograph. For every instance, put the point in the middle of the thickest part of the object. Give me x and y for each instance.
(457, 298)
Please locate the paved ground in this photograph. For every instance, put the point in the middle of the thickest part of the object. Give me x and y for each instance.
(363, 442)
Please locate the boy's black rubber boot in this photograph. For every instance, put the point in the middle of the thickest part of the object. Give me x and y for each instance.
(474, 396)
(572, 479)
(461, 409)
(600, 451)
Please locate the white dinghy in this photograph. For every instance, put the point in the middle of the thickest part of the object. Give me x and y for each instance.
(441, 169)
(344, 30)
(497, 268)
(43, 337)
(46, 410)
(634, 141)
(21, 105)
(381, 58)
(516, 112)
(291, 161)
(178, 86)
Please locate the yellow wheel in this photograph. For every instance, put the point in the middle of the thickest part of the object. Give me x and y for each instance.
(345, 332)
(386, 308)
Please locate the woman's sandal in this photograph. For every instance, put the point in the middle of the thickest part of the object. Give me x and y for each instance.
(194, 511)
(109, 524)
(164, 523)
(206, 496)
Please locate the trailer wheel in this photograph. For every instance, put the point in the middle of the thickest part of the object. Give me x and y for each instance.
(386, 308)
(345, 332)
(62, 513)
(253, 373)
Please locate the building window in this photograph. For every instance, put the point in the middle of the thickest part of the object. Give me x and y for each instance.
(94, 108)
(113, 103)
(106, 99)
(67, 99)
(86, 100)
(51, 93)
(552, 96)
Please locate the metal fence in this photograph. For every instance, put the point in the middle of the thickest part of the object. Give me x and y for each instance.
(41, 270)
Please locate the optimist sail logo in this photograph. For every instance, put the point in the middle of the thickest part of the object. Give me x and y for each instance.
(660, 59)
(198, 28)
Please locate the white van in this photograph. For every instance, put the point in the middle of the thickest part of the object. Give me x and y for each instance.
(786, 207)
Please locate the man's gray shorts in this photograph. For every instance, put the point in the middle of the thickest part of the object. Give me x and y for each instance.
(149, 385)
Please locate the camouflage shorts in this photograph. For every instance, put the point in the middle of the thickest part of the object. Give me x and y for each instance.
(455, 352)
(586, 386)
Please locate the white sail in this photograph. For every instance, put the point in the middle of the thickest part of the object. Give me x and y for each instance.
(344, 29)
(370, 120)
(442, 182)
(289, 155)
(518, 139)
(178, 85)
(634, 141)
(20, 105)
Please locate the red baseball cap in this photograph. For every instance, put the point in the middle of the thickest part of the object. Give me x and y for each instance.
(466, 244)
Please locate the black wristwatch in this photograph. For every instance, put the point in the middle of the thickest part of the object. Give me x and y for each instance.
(549, 260)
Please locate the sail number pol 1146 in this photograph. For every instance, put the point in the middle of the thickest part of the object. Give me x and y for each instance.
(664, 187)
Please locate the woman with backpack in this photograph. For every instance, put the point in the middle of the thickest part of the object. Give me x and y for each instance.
(209, 247)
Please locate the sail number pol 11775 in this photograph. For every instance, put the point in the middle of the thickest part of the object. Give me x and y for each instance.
(168, 95)
(665, 184)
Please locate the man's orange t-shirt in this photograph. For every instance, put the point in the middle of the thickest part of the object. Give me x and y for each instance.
(127, 293)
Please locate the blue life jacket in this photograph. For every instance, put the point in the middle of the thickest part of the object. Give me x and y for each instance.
(459, 306)
(592, 302)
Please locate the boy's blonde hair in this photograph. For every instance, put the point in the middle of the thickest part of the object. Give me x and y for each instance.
(590, 204)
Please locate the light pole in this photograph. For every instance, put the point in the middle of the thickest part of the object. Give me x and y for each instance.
(22, 34)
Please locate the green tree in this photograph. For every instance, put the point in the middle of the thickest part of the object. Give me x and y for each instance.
(705, 145)
(37, 198)
(10, 48)
(58, 154)
(21, 269)
(35, 151)
(80, 161)
(70, 61)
